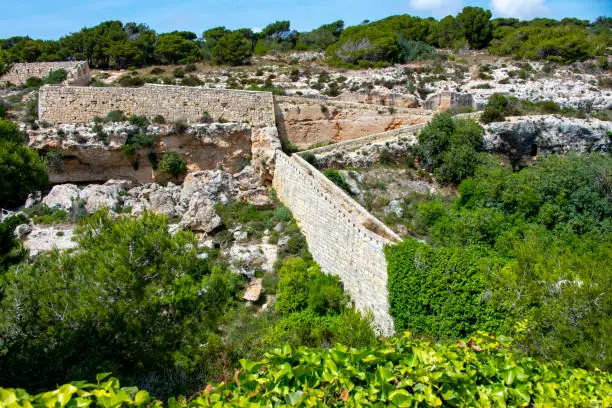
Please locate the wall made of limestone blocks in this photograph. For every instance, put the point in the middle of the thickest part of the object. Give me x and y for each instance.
(344, 239)
(67, 104)
(78, 71)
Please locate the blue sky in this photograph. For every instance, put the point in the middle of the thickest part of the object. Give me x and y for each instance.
(50, 19)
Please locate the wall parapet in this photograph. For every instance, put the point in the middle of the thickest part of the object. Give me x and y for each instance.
(351, 105)
(343, 237)
(71, 104)
(354, 144)
(78, 71)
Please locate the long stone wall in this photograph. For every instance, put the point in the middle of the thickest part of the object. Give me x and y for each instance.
(68, 104)
(78, 72)
(342, 236)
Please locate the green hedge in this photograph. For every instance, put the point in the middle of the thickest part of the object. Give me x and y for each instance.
(441, 292)
(400, 372)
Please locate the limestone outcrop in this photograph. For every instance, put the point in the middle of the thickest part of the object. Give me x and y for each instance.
(80, 154)
(543, 134)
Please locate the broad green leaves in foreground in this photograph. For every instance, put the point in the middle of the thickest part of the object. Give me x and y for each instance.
(401, 372)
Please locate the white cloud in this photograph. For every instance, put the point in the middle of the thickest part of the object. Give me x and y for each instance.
(524, 9)
(438, 8)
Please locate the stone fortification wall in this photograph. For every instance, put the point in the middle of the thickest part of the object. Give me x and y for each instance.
(309, 121)
(342, 236)
(67, 104)
(352, 145)
(78, 72)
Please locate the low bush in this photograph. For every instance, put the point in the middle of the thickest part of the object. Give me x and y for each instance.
(56, 76)
(171, 163)
(116, 116)
(140, 121)
(23, 170)
(180, 127)
(191, 80)
(490, 115)
(159, 120)
(450, 147)
(131, 80)
(338, 179)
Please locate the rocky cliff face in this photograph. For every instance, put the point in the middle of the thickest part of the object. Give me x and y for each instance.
(533, 135)
(306, 122)
(81, 155)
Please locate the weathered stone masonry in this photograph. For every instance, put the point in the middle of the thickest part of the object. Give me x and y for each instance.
(68, 104)
(342, 236)
(78, 72)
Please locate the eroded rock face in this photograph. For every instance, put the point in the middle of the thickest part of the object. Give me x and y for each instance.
(88, 156)
(264, 142)
(533, 135)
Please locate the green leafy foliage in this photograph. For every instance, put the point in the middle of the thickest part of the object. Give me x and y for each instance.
(11, 250)
(232, 48)
(564, 42)
(499, 106)
(476, 26)
(171, 163)
(440, 292)
(338, 179)
(450, 147)
(399, 372)
(132, 299)
(539, 244)
(56, 76)
(23, 170)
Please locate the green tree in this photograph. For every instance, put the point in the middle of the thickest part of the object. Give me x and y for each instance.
(133, 300)
(278, 30)
(22, 169)
(5, 62)
(232, 49)
(176, 47)
(476, 26)
(450, 147)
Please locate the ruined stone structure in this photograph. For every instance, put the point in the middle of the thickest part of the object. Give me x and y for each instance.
(447, 100)
(342, 236)
(67, 104)
(78, 72)
(309, 121)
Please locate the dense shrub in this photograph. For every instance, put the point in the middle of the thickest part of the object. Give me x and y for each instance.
(23, 170)
(116, 116)
(138, 120)
(191, 80)
(545, 234)
(11, 250)
(450, 147)
(131, 80)
(56, 76)
(490, 115)
(439, 292)
(171, 163)
(411, 50)
(132, 299)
